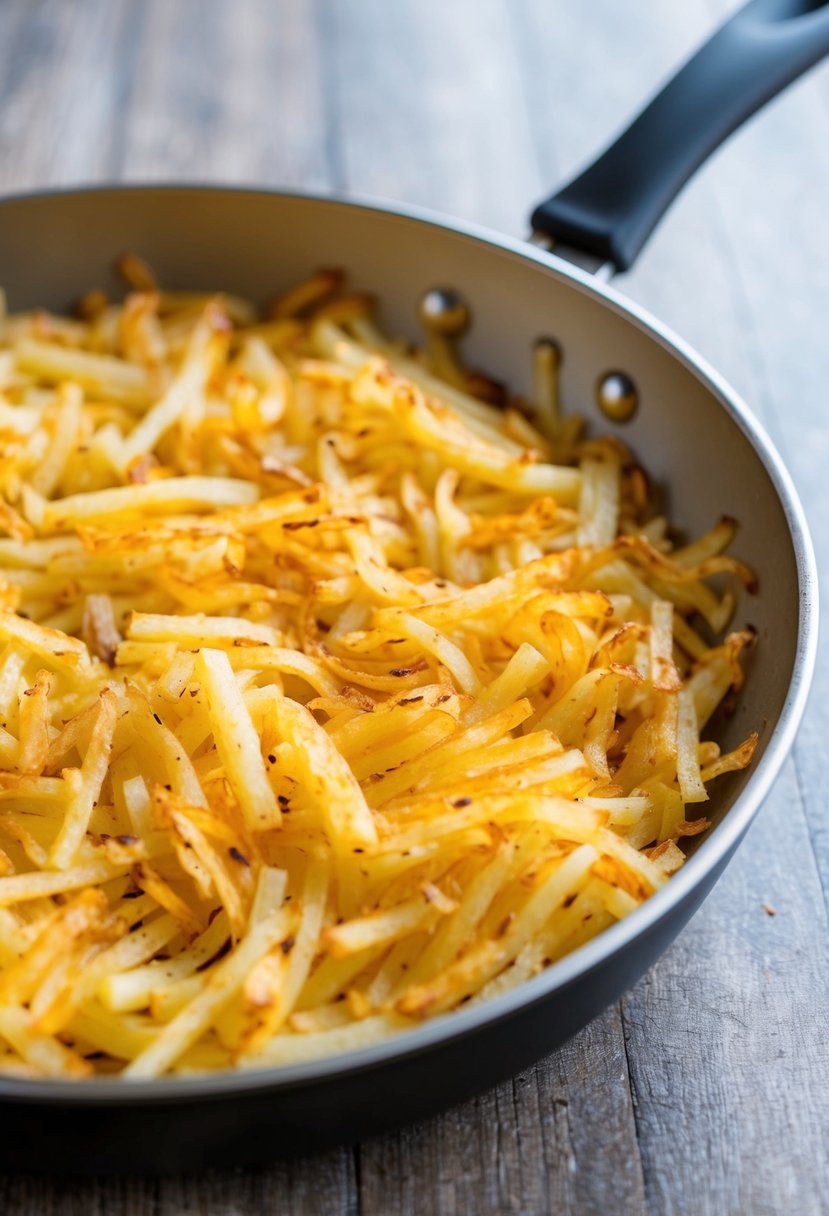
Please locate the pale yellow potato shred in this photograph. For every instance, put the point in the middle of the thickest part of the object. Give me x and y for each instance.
(338, 689)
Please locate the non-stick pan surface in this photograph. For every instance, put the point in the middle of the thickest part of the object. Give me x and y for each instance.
(692, 433)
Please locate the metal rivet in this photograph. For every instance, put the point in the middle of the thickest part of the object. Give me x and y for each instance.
(444, 311)
(616, 396)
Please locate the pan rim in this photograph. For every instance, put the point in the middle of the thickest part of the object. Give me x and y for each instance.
(713, 852)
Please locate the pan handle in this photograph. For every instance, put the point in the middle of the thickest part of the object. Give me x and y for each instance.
(612, 207)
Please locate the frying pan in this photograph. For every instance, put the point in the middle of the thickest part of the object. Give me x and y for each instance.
(690, 430)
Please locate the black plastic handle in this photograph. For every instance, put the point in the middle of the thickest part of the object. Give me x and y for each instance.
(612, 207)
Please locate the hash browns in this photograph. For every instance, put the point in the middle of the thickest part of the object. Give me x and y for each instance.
(333, 696)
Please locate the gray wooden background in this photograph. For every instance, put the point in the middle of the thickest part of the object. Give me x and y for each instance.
(706, 1090)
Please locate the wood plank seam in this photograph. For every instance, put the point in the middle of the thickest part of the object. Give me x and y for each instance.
(325, 23)
(634, 1096)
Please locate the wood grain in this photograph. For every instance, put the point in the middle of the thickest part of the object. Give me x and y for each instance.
(529, 1146)
(707, 1089)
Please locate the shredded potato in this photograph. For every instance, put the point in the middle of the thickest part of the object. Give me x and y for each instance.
(336, 689)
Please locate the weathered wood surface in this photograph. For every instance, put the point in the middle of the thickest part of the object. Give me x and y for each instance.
(707, 1089)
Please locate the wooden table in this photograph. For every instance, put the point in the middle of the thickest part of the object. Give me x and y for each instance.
(706, 1089)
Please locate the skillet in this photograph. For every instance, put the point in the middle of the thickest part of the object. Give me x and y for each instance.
(689, 429)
